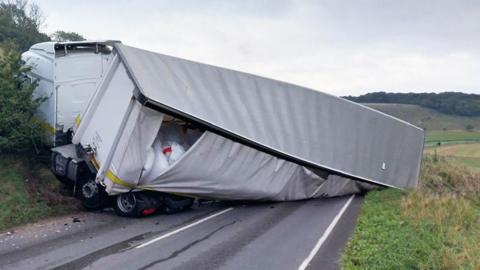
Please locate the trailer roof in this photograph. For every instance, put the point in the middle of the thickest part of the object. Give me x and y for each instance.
(293, 122)
(51, 46)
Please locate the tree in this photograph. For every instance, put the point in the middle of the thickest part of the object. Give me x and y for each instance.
(62, 36)
(469, 127)
(20, 23)
(19, 129)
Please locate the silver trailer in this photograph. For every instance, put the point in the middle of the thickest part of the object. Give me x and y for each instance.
(244, 137)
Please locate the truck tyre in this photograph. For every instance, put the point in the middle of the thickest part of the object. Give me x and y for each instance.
(173, 204)
(125, 204)
(135, 204)
(92, 195)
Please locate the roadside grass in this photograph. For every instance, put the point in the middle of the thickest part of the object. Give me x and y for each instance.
(436, 226)
(472, 164)
(29, 192)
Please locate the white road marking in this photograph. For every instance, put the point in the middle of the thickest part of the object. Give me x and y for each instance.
(184, 228)
(325, 235)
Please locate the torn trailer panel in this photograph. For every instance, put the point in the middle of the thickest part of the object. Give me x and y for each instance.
(301, 125)
(209, 166)
(121, 136)
(262, 139)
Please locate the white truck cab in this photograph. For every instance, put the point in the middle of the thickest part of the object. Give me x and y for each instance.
(67, 74)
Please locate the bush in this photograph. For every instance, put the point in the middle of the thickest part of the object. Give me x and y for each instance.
(62, 36)
(20, 131)
(441, 177)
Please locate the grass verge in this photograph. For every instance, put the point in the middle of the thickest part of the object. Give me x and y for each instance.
(29, 192)
(436, 226)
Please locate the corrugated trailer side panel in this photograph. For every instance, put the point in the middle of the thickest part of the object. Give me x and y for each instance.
(289, 121)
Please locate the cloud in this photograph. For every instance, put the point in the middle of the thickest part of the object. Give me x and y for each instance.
(341, 47)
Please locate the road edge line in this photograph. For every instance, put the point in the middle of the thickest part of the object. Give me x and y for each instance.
(325, 235)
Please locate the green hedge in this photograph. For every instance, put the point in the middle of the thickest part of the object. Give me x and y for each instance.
(19, 129)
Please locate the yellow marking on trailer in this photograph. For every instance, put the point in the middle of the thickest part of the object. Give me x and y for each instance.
(78, 120)
(95, 163)
(115, 179)
(110, 175)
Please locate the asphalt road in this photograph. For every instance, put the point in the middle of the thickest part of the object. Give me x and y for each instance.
(293, 235)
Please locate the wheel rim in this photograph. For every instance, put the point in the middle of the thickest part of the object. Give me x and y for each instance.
(89, 189)
(126, 202)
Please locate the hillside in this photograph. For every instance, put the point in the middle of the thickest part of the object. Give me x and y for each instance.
(426, 118)
(455, 103)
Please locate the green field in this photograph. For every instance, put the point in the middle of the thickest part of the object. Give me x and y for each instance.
(428, 119)
(452, 136)
(467, 155)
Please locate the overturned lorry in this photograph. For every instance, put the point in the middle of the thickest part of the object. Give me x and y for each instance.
(160, 130)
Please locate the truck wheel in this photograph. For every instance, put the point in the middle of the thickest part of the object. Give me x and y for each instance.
(125, 205)
(135, 204)
(173, 204)
(92, 195)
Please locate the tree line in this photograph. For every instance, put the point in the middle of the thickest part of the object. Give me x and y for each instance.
(455, 103)
(20, 24)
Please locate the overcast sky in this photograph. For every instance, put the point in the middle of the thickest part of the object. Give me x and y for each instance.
(340, 47)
